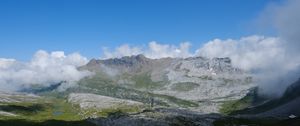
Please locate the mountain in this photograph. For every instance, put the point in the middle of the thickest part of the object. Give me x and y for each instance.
(136, 90)
(206, 82)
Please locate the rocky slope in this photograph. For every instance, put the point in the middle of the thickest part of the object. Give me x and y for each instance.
(136, 90)
(205, 81)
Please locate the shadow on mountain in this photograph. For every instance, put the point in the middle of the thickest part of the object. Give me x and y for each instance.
(22, 109)
(185, 118)
(158, 117)
(288, 104)
(45, 123)
(231, 121)
(41, 89)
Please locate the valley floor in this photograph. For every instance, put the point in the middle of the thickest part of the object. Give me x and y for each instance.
(79, 110)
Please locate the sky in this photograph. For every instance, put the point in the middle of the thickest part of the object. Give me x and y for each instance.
(45, 41)
(88, 26)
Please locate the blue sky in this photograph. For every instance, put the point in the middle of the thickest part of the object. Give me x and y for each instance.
(86, 26)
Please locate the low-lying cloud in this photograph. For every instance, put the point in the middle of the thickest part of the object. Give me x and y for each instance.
(44, 69)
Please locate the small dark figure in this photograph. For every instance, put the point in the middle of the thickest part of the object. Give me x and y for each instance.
(151, 102)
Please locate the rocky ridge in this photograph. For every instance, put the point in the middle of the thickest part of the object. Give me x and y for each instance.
(196, 78)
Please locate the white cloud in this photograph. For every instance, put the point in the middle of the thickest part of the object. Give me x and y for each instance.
(154, 50)
(44, 69)
(4, 63)
(266, 57)
(249, 53)
(123, 50)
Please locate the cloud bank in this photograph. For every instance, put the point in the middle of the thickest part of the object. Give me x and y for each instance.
(44, 69)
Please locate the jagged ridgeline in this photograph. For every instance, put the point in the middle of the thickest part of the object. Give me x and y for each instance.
(197, 83)
(136, 90)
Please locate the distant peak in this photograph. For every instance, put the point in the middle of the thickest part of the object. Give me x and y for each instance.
(141, 57)
(92, 62)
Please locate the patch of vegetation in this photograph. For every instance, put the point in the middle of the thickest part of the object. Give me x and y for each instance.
(261, 103)
(97, 86)
(242, 105)
(231, 107)
(23, 122)
(186, 86)
(143, 81)
(42, 110)
(24, 109)
(118, 110)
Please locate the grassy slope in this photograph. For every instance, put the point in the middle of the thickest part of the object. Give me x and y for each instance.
(44, 112)
(187, 86)
(143, 81)
(231, 107)
(55, 111)
(106, 86)
(44, 109)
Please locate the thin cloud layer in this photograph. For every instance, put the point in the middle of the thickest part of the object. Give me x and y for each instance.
(44, 69)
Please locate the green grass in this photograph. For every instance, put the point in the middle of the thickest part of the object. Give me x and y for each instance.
(42, 110)
(23, 122)
(104, 86)
(231, 106)
(183, 87)
(56, 112)
(143, 81)
(112, 110)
